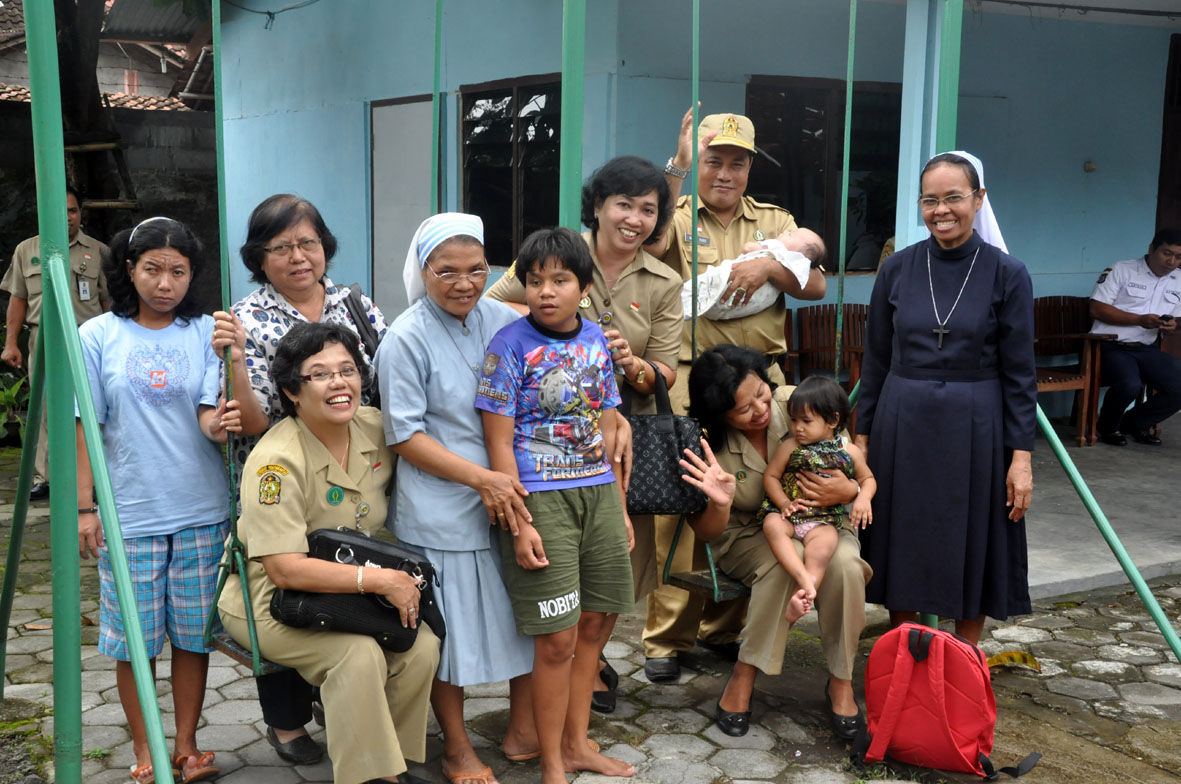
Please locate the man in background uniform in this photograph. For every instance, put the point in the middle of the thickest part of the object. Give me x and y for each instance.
(1139, 300)
(23, 282)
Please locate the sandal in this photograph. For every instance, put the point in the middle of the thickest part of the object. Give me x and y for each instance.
(138, 776)
(205, 769)
(532, 755)
(482, 775)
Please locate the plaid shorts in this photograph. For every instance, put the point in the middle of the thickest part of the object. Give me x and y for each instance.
(175, 577)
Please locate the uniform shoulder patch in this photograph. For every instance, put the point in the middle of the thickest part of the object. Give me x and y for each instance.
(1103, 275)
(272, 467)
(511, 272)
(270, 487)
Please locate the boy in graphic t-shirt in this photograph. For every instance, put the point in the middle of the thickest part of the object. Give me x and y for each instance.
(548, 396)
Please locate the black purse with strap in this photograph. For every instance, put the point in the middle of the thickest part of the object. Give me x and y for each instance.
(368, 613)
(658, 444)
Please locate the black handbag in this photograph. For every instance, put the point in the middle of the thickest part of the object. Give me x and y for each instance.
(658, 444)
(358, 613)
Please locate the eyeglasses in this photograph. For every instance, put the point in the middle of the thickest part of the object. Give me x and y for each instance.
(451, 278)
(929, 203)
(285, 248)
(324, 376)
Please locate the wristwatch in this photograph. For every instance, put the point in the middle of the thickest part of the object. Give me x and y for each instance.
(640, 375)
(675, 171)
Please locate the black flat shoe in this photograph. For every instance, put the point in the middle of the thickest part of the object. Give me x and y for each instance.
(727, 650)
(733, 724)
(604, 701)
(844, 727)
(39, 491)
(298, 751)
(1115, 439)
(1144, 437)
(318, 712)
(662, 669)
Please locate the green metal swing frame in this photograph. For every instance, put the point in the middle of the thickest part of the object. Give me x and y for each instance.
(57, 383)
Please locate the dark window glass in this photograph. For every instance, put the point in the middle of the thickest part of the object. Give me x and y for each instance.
(511, 138)
(799, 124)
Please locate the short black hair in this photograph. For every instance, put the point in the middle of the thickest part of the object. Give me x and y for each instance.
(627, 175)
(561, 243)
(714, 381)
(824, 397)
(126, 248)
(276, 214)
(306, 339)
(955, 160)
(71, 190)
(1166, 236)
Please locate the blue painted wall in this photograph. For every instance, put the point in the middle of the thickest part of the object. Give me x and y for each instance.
(1038, 98)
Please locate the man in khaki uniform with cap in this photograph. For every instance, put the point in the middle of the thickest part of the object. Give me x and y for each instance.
(727, 220)
(23, 283)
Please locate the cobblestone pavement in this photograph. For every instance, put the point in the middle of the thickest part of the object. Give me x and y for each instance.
(1105, 708)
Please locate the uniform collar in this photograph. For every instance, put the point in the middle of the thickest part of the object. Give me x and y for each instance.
(361, 451)
(643, 261)
(738, 443)
(82, 238)
(1174, 275)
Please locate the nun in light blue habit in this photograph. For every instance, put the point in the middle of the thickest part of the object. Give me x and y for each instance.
(447, 500)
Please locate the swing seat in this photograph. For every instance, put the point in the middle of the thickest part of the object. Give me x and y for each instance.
(721, 588)
(223, 642)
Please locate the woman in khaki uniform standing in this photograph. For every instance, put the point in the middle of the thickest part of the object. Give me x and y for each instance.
(636, 299)
(326, 465)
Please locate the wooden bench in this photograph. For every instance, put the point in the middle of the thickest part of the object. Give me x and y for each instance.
(1061, 327)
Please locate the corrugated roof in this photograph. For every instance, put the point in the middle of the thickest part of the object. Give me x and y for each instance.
(143, 20)
(12, 92)
(12, 20)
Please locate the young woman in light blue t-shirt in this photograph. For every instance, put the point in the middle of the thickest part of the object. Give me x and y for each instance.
(155, 381)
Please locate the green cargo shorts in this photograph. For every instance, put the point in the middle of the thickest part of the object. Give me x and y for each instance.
(584, 539)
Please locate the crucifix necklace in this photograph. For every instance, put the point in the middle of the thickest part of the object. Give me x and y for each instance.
(942, 329)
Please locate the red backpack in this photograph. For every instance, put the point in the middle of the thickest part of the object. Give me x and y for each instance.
(929, 702)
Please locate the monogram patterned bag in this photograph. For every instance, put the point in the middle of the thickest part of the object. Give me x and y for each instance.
(658, 444)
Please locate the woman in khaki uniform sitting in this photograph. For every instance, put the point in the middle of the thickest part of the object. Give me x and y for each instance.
(326, 465)
(636, 299)
(746, 419)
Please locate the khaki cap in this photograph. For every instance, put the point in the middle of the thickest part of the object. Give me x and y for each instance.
(732, 129)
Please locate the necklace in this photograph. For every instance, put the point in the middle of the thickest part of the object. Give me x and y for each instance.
(942, 329)
(473, 367)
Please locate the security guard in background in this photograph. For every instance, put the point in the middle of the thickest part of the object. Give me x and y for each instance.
(22, 281)
(1139, 300)
(727, 219)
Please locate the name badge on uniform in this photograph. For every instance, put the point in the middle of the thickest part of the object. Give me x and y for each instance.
(701, 240)
(83, 289)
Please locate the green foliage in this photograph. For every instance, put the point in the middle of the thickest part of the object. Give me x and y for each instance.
(96, 754)
(14, 397)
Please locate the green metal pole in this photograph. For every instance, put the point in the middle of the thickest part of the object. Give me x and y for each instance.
(435, 206)
(948, 94)
(947, 109)
(49, 161)
(695, 79)
(58, 329)
(20, 509)
(1109, 535)
(845, 186)
(570, 156)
